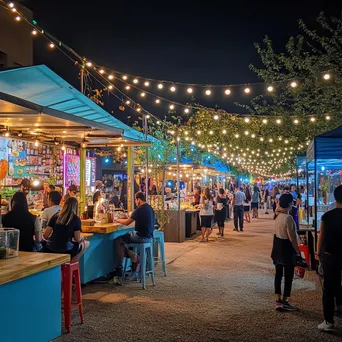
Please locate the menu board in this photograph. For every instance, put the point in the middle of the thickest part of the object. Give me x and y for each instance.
(72, 170)
(26, 160)
(90, 171)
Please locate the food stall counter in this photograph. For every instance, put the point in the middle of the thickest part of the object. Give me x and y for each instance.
(30, 292)
(100, 258)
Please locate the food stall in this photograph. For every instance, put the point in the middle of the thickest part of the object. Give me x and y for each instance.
(301, 181)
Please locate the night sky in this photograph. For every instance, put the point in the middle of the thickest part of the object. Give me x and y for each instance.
(185, 41)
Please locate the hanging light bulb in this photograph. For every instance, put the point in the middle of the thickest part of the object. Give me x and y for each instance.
(198, 132)
(173, 89)
(270, 89)
(253, 135)
(135, 81)
(327, 117)
(101, 71)
(138, 109)
(296, 121)
(208, 92)
(326, 76)
(294, 84)
(110, 87)
(264, 121)
(63, 148)
(160, 86)
(312, 119)
(157, 101)
(186, 110)
(247, 90)
(189, 90)
(11, 5)
(224, 131)
(172, 107)
(236, 135)
(128, 102)
(124, 77)
(17, 18)
(227, 92)
(36, 143)
(247, 120)
(246, 133)
(148, 116)
(146, 84)
(34, 32)
(261, 139)
(110, 77)
(278, 121)
(52, 45)
(89, 64)
(128, 87)
(143, 94)
(158, 122)
(216, 117)
(211, 132)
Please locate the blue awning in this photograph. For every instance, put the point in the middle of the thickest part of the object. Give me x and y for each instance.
(41, 86)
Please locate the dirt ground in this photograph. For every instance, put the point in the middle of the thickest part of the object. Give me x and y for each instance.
(216, 291)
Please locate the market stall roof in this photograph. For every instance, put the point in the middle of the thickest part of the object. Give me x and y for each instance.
(326, 146)
(37, 99)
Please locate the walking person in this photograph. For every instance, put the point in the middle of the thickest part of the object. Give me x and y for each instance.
(275, 197)
(255, 201)
(329, 250)
(285, 252)
(267, 200)
(247, 204)
(221, 211)
(238, 200)
(206, 214)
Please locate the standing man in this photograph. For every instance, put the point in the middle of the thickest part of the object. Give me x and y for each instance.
(144, 226)
(329, 251)
(238, 200)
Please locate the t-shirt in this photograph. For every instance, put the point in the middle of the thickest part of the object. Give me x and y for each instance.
(240, 197)
(49, 212)
(332, 243)
(60, 239)
(256, 195)
(144, 220)
(282, 223)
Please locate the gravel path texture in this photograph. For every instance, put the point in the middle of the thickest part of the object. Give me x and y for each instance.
(216, 291)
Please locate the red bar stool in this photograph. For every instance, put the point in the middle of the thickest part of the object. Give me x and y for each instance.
(70, 271)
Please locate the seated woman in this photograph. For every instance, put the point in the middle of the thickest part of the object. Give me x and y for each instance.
(29, 225)
(63, 232)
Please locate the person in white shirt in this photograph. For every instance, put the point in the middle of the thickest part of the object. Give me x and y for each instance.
(53, 201)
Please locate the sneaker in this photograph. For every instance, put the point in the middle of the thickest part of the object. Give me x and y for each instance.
(235, 230)
(279, 306)
(326, 326)
(288, 307)
(266, 213)
(117, 273)
(241, 230)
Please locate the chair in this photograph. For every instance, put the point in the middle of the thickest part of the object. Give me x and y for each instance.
(158, 237)
(145, 252)
(70, 271)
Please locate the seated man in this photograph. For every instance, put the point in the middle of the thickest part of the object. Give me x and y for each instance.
(54, 199)
(144, 226)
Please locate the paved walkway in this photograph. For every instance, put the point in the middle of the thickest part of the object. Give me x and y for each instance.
(216, 291)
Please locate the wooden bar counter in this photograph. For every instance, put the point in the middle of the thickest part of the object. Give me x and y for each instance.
(100, 258)
(30, 292)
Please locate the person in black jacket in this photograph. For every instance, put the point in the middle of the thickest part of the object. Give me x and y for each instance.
(29, 225)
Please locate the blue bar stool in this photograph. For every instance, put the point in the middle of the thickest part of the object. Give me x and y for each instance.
(158, 237)
(145, 252)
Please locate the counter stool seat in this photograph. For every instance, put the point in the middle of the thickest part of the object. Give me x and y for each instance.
(145, 252)
(158, 237)
(70, 271)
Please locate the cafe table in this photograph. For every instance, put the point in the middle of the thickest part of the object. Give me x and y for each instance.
(100, 258)
(30, 297)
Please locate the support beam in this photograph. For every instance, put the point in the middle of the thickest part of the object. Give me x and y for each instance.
(130, 180)
(82, 180)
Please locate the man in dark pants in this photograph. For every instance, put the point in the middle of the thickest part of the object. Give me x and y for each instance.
(329, 249)
(238, 200)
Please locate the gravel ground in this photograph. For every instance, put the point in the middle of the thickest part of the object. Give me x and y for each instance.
(216, 291)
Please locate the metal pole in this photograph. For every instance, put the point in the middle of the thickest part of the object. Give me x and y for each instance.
(82, 180)
(145, 134)
(130, 180)
(82, 79)
(178, 176)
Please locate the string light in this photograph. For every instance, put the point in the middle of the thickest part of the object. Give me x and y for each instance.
(246, 133)
(143, 94)
(253, 135)
(264, 121)
(247, 90)
(326, 76)
(148, 116)
(138, 109)
(11, 5)
(124, 77)
(278, 121)
(313, 119)
(198, 132)
(294, 84)
(173, 89)
(237, 135)
(327, 117)
(208, 92)
(157, 101)
(146, 84)
(211, 132)
(186, 110)
(296, 121)
(110, 87)
(128, 102)
(34, 32)
(89, 64)
(128, 87)
(101, 71)
(160, 86)
(172, 106)
(189, 90)
(216, 117)
(270, 89)
(17, 18)
(135, 81)
(224, 131)
(52, 45)
(247, 120)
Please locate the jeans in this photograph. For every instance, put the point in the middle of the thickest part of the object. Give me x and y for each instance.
(289, 273)
(238, 216)
(332, 268)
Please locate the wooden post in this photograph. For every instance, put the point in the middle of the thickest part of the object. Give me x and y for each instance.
(82, 180)
(130, 180)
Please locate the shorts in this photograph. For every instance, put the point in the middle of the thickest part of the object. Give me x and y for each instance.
(133, 237)
(255, 205)
(246, 208)
(206, 221)
(76, 249)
